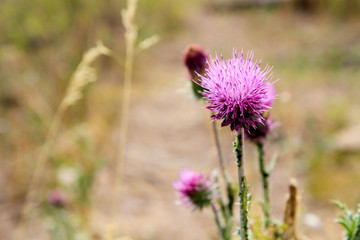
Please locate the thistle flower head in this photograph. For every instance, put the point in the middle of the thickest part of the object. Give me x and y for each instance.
(237, 90)
(194, 189)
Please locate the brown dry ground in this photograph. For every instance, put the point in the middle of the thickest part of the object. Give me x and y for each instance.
(169, 131)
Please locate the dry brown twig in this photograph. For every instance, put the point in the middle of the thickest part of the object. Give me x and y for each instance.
(290, 217)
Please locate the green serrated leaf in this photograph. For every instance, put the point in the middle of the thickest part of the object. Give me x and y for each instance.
(340, 205)
(346, 227)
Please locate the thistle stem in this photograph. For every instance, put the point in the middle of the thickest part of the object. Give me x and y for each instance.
(265, 184)
(218, 223)
(220, 155)
(239, 151)
(225, 214)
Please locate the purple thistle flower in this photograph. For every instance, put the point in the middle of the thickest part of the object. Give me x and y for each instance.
(193, 189)
(237, 90)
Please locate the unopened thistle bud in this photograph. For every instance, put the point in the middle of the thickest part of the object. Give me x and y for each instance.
(195, 59)
(261, 130)
(194, 189)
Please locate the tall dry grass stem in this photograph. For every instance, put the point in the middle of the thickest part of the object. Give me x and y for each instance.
(83, 75)
(128, 16)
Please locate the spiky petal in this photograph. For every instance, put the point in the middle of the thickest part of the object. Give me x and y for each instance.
(237, 90)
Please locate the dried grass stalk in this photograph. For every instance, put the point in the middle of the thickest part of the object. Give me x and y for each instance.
(290, 218)
(128, 16)
(83, 75)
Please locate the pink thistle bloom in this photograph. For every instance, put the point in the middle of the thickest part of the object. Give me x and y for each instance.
(238, 91)
(194, 189)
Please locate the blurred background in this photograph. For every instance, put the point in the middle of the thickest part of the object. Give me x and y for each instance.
(314, 46)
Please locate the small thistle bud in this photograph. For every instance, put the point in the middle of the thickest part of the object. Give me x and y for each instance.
(194, 189)
(195, 59)
(56, 198)
(260, 131)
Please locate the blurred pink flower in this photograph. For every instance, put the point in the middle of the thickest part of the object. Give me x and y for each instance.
(193, 189)
(56, 198)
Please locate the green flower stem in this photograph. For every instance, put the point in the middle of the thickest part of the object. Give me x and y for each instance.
(239, 151)
(221, 229)
(220, 155)
(225, 214)
(265, 183)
